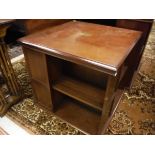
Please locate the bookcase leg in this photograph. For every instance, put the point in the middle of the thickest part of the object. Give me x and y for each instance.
(108, 102)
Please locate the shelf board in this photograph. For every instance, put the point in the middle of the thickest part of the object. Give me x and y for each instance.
(79, 116)
(81, 91)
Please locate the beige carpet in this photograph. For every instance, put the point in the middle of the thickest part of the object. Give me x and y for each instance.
(135, 113)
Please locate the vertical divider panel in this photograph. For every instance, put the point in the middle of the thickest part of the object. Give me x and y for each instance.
(37, 67)
(55, 69)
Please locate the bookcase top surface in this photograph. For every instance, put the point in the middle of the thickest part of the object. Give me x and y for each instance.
(104, 46)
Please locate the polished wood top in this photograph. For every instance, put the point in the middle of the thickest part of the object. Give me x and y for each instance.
(104, 46)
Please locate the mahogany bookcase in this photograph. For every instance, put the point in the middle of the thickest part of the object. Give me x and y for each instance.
(79, 71)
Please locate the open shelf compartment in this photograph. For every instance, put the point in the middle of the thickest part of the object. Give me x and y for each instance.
(83, 92)
(77, 93)
(79, 116)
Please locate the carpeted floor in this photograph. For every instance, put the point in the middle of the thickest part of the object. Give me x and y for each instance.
(15, 51)
(135, 113)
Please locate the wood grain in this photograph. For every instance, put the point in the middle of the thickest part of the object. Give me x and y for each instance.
(85, 93)
(98, 45)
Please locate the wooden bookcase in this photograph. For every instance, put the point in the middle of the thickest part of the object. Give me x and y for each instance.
(82, 88)
(73, 92)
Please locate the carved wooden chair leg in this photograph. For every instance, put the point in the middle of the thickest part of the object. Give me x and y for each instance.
(15, 93)
(2, 103)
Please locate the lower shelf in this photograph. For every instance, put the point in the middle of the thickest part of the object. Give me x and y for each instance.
(79, 116)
